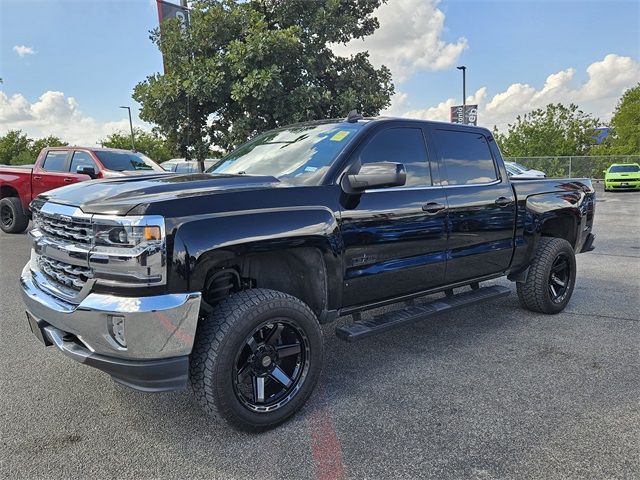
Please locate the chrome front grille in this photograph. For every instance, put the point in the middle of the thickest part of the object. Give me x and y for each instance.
(77, 230)
(64, 274)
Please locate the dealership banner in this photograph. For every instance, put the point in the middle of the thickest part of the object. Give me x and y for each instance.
(167, 11)
(467, 114)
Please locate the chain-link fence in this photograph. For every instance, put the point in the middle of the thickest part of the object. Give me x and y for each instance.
(587, 166)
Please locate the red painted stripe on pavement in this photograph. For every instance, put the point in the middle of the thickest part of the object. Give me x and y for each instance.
(325, 446)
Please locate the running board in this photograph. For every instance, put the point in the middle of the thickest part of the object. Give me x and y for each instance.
(397, 318)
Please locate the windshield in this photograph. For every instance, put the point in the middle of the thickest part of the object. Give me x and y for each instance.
(300, 155)
(624, 168)
(126, 161)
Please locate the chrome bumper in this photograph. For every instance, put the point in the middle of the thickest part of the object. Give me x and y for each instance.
(157, 327)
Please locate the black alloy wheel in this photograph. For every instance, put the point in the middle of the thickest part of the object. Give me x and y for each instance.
(271, 366)
(551, 277)
(559, 278)
(256, 358)
(6, 216)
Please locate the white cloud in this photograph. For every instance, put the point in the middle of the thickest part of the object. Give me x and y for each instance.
(23, 50)
(54, 114)
(408, 40)
(607, 80)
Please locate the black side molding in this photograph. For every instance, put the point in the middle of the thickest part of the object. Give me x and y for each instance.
(397, 318)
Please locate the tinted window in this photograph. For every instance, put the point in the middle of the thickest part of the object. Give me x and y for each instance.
(125, 161)
(402, 145)
(55, 161)
(466, 157)
(81, 159)
(624, 168)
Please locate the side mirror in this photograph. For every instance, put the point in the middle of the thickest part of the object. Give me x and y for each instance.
(375, 175)
(86, 170)
(604, 171)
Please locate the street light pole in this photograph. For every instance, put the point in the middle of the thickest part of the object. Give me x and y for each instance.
(464, 92)
(133, 145)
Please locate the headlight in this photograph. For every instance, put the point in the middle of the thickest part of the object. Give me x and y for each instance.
(129, 250)
(126, 235)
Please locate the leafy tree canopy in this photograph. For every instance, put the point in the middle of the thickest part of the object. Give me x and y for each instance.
(38, 144)
(18, 149)
(556, 130)
(624, 136)
(248, 66)
(150, 143)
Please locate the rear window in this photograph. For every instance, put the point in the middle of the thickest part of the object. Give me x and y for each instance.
(126, 161)
(55, 161)
(624, 168)
(466, 157)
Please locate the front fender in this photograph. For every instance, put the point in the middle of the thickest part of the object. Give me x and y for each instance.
(203, 243)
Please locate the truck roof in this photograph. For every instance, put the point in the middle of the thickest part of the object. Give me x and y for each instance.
(385, 119)
(97, 149)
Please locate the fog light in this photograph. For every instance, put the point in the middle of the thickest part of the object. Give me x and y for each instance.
(117, 330)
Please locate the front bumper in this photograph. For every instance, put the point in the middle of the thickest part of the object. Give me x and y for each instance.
(618, 185)
(159, 332)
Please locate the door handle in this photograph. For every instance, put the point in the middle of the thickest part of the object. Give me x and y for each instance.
(68, 180)
(433, 207)
(503, 201)
(37, 177)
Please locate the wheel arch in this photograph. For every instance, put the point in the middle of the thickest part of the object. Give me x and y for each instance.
(8, 191)
(295, 252)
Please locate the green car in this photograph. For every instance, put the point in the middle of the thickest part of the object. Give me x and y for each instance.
(622, 176)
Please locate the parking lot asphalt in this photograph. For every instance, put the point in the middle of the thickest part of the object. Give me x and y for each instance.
(492, 392)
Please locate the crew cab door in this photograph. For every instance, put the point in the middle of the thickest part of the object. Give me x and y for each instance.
(82, 159)
(51, 173)
(481, 203)
(392, 244)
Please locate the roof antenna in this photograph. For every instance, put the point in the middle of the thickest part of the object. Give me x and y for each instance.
(353, 116)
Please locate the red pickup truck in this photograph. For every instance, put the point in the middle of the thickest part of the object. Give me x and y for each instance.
(57, 167)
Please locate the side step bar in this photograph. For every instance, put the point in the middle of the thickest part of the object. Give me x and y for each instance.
(397, 318)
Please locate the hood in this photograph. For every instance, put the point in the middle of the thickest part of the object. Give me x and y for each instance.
(117, 196)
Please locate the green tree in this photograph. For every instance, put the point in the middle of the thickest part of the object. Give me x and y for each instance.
(247, 66)
(18, 149)
(556, 130)
(12, 148)
(149, 143)
(624, 136)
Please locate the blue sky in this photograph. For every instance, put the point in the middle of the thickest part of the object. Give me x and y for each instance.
(93, 53)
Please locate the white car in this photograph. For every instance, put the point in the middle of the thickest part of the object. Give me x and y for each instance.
(180, 165)
(528, 172)
(517, 173)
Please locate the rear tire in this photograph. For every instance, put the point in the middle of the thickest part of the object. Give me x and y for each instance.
(256, 358)
(12, 216)
(551, 277)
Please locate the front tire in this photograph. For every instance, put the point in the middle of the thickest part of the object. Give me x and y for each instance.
(12, 216)
(550, 278)
(256, 358)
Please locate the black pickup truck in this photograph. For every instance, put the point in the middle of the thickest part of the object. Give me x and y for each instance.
(221, 280)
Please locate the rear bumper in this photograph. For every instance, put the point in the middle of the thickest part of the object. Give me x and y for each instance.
(159, 333)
